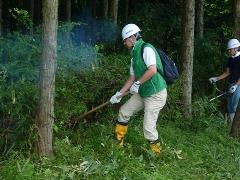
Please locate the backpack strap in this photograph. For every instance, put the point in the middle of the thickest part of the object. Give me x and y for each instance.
(142, 48)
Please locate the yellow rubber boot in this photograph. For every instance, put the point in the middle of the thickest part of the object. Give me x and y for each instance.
(120, 131)
(155, 147)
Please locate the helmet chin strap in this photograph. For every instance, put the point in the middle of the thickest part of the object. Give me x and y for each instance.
(134, 38)
(133, 41)
(237, 53)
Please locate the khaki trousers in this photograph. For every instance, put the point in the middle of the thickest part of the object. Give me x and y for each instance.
(151, 105)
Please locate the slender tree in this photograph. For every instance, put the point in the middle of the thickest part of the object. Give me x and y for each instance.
(199, 18)
(94, 8)
(105, 8)
(32, 14)
(1, 19)
(45, 118)
(235, 129)
(126, 10)
(114, 10)
(237, 18)
(187, 54)
(68, 10)
(38, 10)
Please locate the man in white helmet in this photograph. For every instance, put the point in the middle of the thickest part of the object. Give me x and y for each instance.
(233, 72)
(147, 86)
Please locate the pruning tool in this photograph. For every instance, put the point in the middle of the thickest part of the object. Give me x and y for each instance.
(218, 90)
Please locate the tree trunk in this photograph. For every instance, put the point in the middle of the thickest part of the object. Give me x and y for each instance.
(126, 10)
(68, 10)
(187, 55)
(31, 15)
(47, 78)
(94, 8)
(1, 19)
(237, 19)
(105, 9)
(38, 10)
(114, 10)
(199, 18)
(235, 130)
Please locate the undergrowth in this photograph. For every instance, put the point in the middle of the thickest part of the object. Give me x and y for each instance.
(91, 152)
(191, 149)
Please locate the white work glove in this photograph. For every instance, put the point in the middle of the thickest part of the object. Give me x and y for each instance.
(116, 98)
(134, 88)
(213, 79)
(233, 88)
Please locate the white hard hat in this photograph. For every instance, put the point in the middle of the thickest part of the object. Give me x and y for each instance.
(129, 30)
(233, 43)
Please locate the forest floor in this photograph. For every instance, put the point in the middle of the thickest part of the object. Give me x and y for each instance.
(91, 152)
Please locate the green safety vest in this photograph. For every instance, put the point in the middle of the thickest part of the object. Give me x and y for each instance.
(156, 83)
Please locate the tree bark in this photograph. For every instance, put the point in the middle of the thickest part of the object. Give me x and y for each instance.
(105, 9)
(126, 10)
(237, 19)
(68, 10)
(38, 11)
(199, 18)
(94, 8)
(187, 55)
(47, 78)
(114, 11)
(235, 129)
(1, 19)
(32, 15)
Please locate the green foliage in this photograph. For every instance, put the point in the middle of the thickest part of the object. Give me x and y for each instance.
(22, 17)
(163, 28)
(18, 168)
(172, 111)
(196, 149)
(214, 8)
(190, 149)
(209, 60)
(79, 92)
(205, 115)
(92, 153)
(18, 88)
(84, 79)
(19, 79)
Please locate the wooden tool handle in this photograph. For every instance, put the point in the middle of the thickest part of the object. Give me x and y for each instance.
(96, 108)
